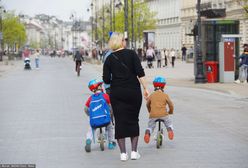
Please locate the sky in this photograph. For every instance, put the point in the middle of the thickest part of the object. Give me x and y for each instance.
(62, 9)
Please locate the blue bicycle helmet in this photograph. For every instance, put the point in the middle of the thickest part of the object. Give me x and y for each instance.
(93, 84)
(159, 82)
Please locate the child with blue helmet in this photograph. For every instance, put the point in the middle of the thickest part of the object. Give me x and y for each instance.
(96, 87)
(157, 104)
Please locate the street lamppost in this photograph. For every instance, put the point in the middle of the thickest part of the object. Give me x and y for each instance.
(132, 25)
(92, 25)
(110, 15)
(2, 10)
(73, 29)
(19, 17)
(199, 78)
(126, 21)
(118, 5)
(96, 19)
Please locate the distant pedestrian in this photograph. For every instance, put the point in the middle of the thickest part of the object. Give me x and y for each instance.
(158, 57)
(144, 54)
(140, 54)
(162, 57)
(184, 52)
(25, 53)
(191, 52)
(101, 53)
(173, 57)
(37, 58)
(243, 66)
(150, 55)
(167, 55)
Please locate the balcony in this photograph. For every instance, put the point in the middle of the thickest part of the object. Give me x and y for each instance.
(211, 10)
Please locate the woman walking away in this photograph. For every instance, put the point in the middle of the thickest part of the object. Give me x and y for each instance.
(123, 71)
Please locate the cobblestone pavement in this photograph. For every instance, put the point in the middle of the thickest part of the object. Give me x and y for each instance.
(42, 122)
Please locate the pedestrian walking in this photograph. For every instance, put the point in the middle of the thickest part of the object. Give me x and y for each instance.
(101, 53)
(144, 54)
(25, 53)
(157, 104)
(123, 70)
(150, 55)
(184, 51)
(167, 56)
(37, 59)
(243, 66)
(164, 57)
(140, 54)
(173, 57)
(158, 57)
(191, 52)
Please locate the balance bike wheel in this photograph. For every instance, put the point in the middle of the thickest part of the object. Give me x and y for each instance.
(158, 144)
(102, 143)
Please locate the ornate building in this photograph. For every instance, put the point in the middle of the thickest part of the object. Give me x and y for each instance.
(233, 11)
(168, 32)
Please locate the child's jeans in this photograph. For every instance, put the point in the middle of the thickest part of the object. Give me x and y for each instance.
(109, 131)
(152, 123)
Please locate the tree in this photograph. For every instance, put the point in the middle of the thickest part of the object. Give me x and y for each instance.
(143, 19)
(244, 4)
(14, 33)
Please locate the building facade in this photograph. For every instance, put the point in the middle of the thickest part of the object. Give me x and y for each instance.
(168, 28)
(233, 11)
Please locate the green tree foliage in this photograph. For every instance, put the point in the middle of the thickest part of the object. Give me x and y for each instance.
(13, 31)
(244, 4)
(143, 19)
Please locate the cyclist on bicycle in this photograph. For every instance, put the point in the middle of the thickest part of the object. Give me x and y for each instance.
(78, 58)
(96, 87)
(156, 105)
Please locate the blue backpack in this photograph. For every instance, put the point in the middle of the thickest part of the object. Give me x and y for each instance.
(99, 111)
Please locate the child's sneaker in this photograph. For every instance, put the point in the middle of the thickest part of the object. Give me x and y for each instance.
(88, 145)
(170, 134)
(147, 137)
(111, 145)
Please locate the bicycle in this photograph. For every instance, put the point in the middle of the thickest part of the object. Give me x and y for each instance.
(78, 67)
(100, 139)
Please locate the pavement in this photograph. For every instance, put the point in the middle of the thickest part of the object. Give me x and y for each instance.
(182, 75)
(7, 66)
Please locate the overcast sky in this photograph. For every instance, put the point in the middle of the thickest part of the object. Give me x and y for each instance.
(59, 8)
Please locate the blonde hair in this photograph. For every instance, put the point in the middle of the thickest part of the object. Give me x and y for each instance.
(116, 41)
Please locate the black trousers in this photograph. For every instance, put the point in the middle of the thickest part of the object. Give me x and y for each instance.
(77, 63)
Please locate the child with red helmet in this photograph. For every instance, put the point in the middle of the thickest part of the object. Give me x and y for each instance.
(96, 87)
(156, 105)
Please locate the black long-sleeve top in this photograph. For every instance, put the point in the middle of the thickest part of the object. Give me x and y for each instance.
(119, 75)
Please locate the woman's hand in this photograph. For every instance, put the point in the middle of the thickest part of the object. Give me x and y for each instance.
(146, 93)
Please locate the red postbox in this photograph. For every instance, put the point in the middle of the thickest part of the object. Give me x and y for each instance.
(211, 71)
